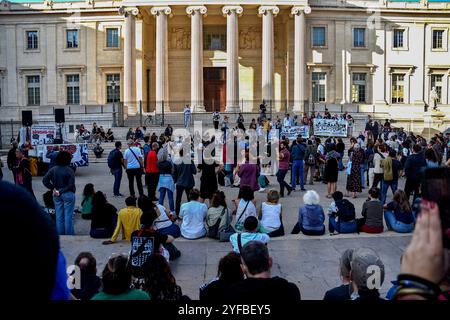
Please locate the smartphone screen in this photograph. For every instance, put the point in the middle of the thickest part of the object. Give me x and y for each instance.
(436, 187)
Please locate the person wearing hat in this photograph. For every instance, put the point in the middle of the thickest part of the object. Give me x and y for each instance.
(366, 275)
(134, 164)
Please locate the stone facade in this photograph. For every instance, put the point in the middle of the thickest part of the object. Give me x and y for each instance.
(354, 55)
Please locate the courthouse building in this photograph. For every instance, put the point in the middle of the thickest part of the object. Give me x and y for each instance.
(360, 55)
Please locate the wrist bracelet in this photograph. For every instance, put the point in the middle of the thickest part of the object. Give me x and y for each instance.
(409, 285)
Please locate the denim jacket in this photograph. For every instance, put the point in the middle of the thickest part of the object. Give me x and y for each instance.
(311, 217)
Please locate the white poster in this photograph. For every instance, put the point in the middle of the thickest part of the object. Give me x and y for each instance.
(330, 127)
(42, 134)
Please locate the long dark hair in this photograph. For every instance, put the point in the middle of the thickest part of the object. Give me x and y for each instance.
(402, 200)
(116, 277)
(218, 200)
(159, 281)
(98, 201)
(88, 190)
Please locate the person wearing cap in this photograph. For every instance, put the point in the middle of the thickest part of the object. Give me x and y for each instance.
(366, 275)
(343, 291)
(134, 164)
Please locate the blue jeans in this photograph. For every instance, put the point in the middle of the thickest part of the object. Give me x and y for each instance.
(64, 205)
(340, 162)
(385, 187)
(297, 169)
(173, 230)
(362, 171)
(162, 195)
(395, 225)
(117, 173)
(187, 120)
(341, 227)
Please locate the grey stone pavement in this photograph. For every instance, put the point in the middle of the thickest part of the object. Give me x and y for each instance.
(310, 262)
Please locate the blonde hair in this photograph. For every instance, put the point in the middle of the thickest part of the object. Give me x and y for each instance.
(311, 198)
(273, 196)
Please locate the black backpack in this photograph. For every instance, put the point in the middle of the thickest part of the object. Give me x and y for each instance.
(111, 159)
(346, 210)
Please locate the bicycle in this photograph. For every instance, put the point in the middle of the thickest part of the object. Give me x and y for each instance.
(153, 119)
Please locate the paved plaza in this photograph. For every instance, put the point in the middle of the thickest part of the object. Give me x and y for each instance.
(310, 262)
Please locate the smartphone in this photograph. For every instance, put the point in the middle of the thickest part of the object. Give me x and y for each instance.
(436, 187)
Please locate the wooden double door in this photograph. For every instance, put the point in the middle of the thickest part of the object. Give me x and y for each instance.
(215, 88)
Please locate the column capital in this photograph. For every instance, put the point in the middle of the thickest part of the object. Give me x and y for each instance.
(298, 10)
(192, 9)
(226, 10)
(262, 10)
(161, 10)
(125, 11)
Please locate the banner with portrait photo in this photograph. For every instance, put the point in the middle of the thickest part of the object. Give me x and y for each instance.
(330, 127)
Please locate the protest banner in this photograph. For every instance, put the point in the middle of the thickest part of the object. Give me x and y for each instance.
(42, 134)
(330, 127)
(293, 132)
(79, 153)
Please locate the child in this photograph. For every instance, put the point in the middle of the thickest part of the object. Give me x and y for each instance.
(270, 215)
(86, 201)
(372, 212)
(342, 215)
(49, 204)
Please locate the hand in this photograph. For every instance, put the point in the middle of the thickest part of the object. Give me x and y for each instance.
(424, 257)
(107, 242)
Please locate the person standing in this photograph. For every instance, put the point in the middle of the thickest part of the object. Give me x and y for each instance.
(152, 171)
(61, 180)
(392, 168)
(115, 164)
(184, 179)
(51, 154)
(287, 122)
(11, 160)
(354, 176)
(340, 148)
(187, 115)
(283, 167)
(22, 173)
(298, 157)
(413, 167)
(134, 163)
(380, 154)
(216, 119)
(310, 161)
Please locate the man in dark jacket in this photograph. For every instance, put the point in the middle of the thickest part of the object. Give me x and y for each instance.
(298, 157)
(413, 170)
(184, 179)
(12, 159)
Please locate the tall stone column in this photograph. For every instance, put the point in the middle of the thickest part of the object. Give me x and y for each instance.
(196, 13)
(162, 58)
(129, 66)
(268, 13)
(232, 13)
(299, 56)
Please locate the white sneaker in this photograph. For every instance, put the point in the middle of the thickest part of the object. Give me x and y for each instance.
(261, 190)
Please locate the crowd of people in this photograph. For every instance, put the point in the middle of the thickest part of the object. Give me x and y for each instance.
(376, 159)
(244, 274)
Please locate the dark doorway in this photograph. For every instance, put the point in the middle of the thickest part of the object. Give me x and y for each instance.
(215, 88)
